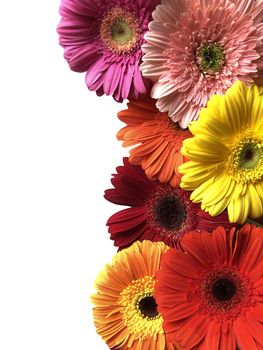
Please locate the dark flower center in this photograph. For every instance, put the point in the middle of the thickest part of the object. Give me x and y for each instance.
(223, 289)
(210, 58)
(170, 213)
(225, 293)
(148, 307)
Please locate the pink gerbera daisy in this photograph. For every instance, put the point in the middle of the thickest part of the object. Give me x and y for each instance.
(103, 38)
(197, 48)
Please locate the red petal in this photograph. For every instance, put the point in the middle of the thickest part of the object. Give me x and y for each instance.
(213, 336)
(179, 311)
(255, 328)
(227, 339)
(197, 245)
(126, 215)
(193, 331)
(244, 339)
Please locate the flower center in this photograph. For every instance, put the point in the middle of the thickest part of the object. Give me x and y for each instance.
(139, 309)
(223, 289)
(210, 58)
(224, 293)
(250, 156)
(169, 212)
(246, 159)
(147, 306)
(120, 31)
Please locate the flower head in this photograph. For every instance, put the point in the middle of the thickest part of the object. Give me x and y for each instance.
(157, 212)
(103, 38)
(125, 312)
(197, 48)
(210, 294)
(225, 167)
(157, 140)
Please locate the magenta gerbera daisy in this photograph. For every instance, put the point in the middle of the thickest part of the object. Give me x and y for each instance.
(103, 38)
(157, 211)
(197, 48)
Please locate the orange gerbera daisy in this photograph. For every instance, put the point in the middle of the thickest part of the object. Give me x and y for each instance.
(157, 140)
(125, 312)
(211, 293)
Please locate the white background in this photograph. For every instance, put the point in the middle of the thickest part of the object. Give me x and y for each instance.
(57, 152)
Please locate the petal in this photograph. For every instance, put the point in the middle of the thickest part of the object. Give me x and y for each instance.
(193, 331)
(244, 339)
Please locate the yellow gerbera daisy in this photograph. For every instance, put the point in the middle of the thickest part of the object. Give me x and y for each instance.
(125, 312)
(225, 168)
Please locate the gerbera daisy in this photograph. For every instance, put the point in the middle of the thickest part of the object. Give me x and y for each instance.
(226, 155)
(125, 312)
(157, 212)
(196, 48)
(104, 38)
(210, 294)
(157, 140)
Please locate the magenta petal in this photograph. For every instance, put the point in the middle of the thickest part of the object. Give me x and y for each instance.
(138, 81)
(75, 7)
(80, 59)
(95, 71)
(75, 33)
(112, 78)
(127, 80)
(118, 92)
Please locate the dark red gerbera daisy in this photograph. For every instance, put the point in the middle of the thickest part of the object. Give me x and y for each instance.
(210, 293)
(157, 211)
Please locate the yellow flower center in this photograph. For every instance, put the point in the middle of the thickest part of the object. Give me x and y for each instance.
(139, 311)
(246, 159)
(120, 31)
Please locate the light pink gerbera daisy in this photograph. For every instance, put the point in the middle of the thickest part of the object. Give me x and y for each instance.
(197, 48)
(103, 38)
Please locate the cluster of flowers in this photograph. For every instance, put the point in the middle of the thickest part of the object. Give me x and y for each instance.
(189, 271)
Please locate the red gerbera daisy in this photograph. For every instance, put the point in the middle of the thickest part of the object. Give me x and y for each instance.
(211, 293)
(157, 212)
